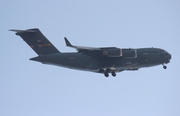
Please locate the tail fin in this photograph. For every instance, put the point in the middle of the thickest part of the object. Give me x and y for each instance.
(37, 41)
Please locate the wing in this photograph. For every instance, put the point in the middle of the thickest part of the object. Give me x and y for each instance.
(92, 51)
(78, 48)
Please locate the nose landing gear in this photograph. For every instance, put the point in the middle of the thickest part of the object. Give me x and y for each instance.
(165, 67)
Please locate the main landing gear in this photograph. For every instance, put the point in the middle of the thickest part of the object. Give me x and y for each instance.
(113, 74)
(107, 74)
(107, 71)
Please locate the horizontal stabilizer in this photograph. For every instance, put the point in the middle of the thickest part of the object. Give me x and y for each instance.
(24, 31)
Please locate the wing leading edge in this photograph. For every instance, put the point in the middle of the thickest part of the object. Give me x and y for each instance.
(92, 51)
(78, 48)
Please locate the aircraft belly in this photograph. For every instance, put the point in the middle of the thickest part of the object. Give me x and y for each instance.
(68, 60)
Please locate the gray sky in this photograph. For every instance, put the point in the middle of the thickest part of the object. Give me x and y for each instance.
(30, 88)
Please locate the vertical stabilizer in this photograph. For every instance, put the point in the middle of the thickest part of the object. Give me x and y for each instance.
(37, 41)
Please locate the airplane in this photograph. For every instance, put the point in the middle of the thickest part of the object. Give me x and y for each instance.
(104, 60)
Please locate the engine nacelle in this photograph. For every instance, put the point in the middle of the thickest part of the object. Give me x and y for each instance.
(114, 52)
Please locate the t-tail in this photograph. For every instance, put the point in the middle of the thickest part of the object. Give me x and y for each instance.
(37, 41)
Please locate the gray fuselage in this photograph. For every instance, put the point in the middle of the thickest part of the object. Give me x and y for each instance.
(103, 60)
(145, 57)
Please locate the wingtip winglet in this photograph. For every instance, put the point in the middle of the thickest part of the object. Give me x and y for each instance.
(67, 42)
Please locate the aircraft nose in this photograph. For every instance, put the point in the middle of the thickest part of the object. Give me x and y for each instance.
(169, 56)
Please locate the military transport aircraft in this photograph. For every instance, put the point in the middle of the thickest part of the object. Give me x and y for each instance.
(103, 60)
